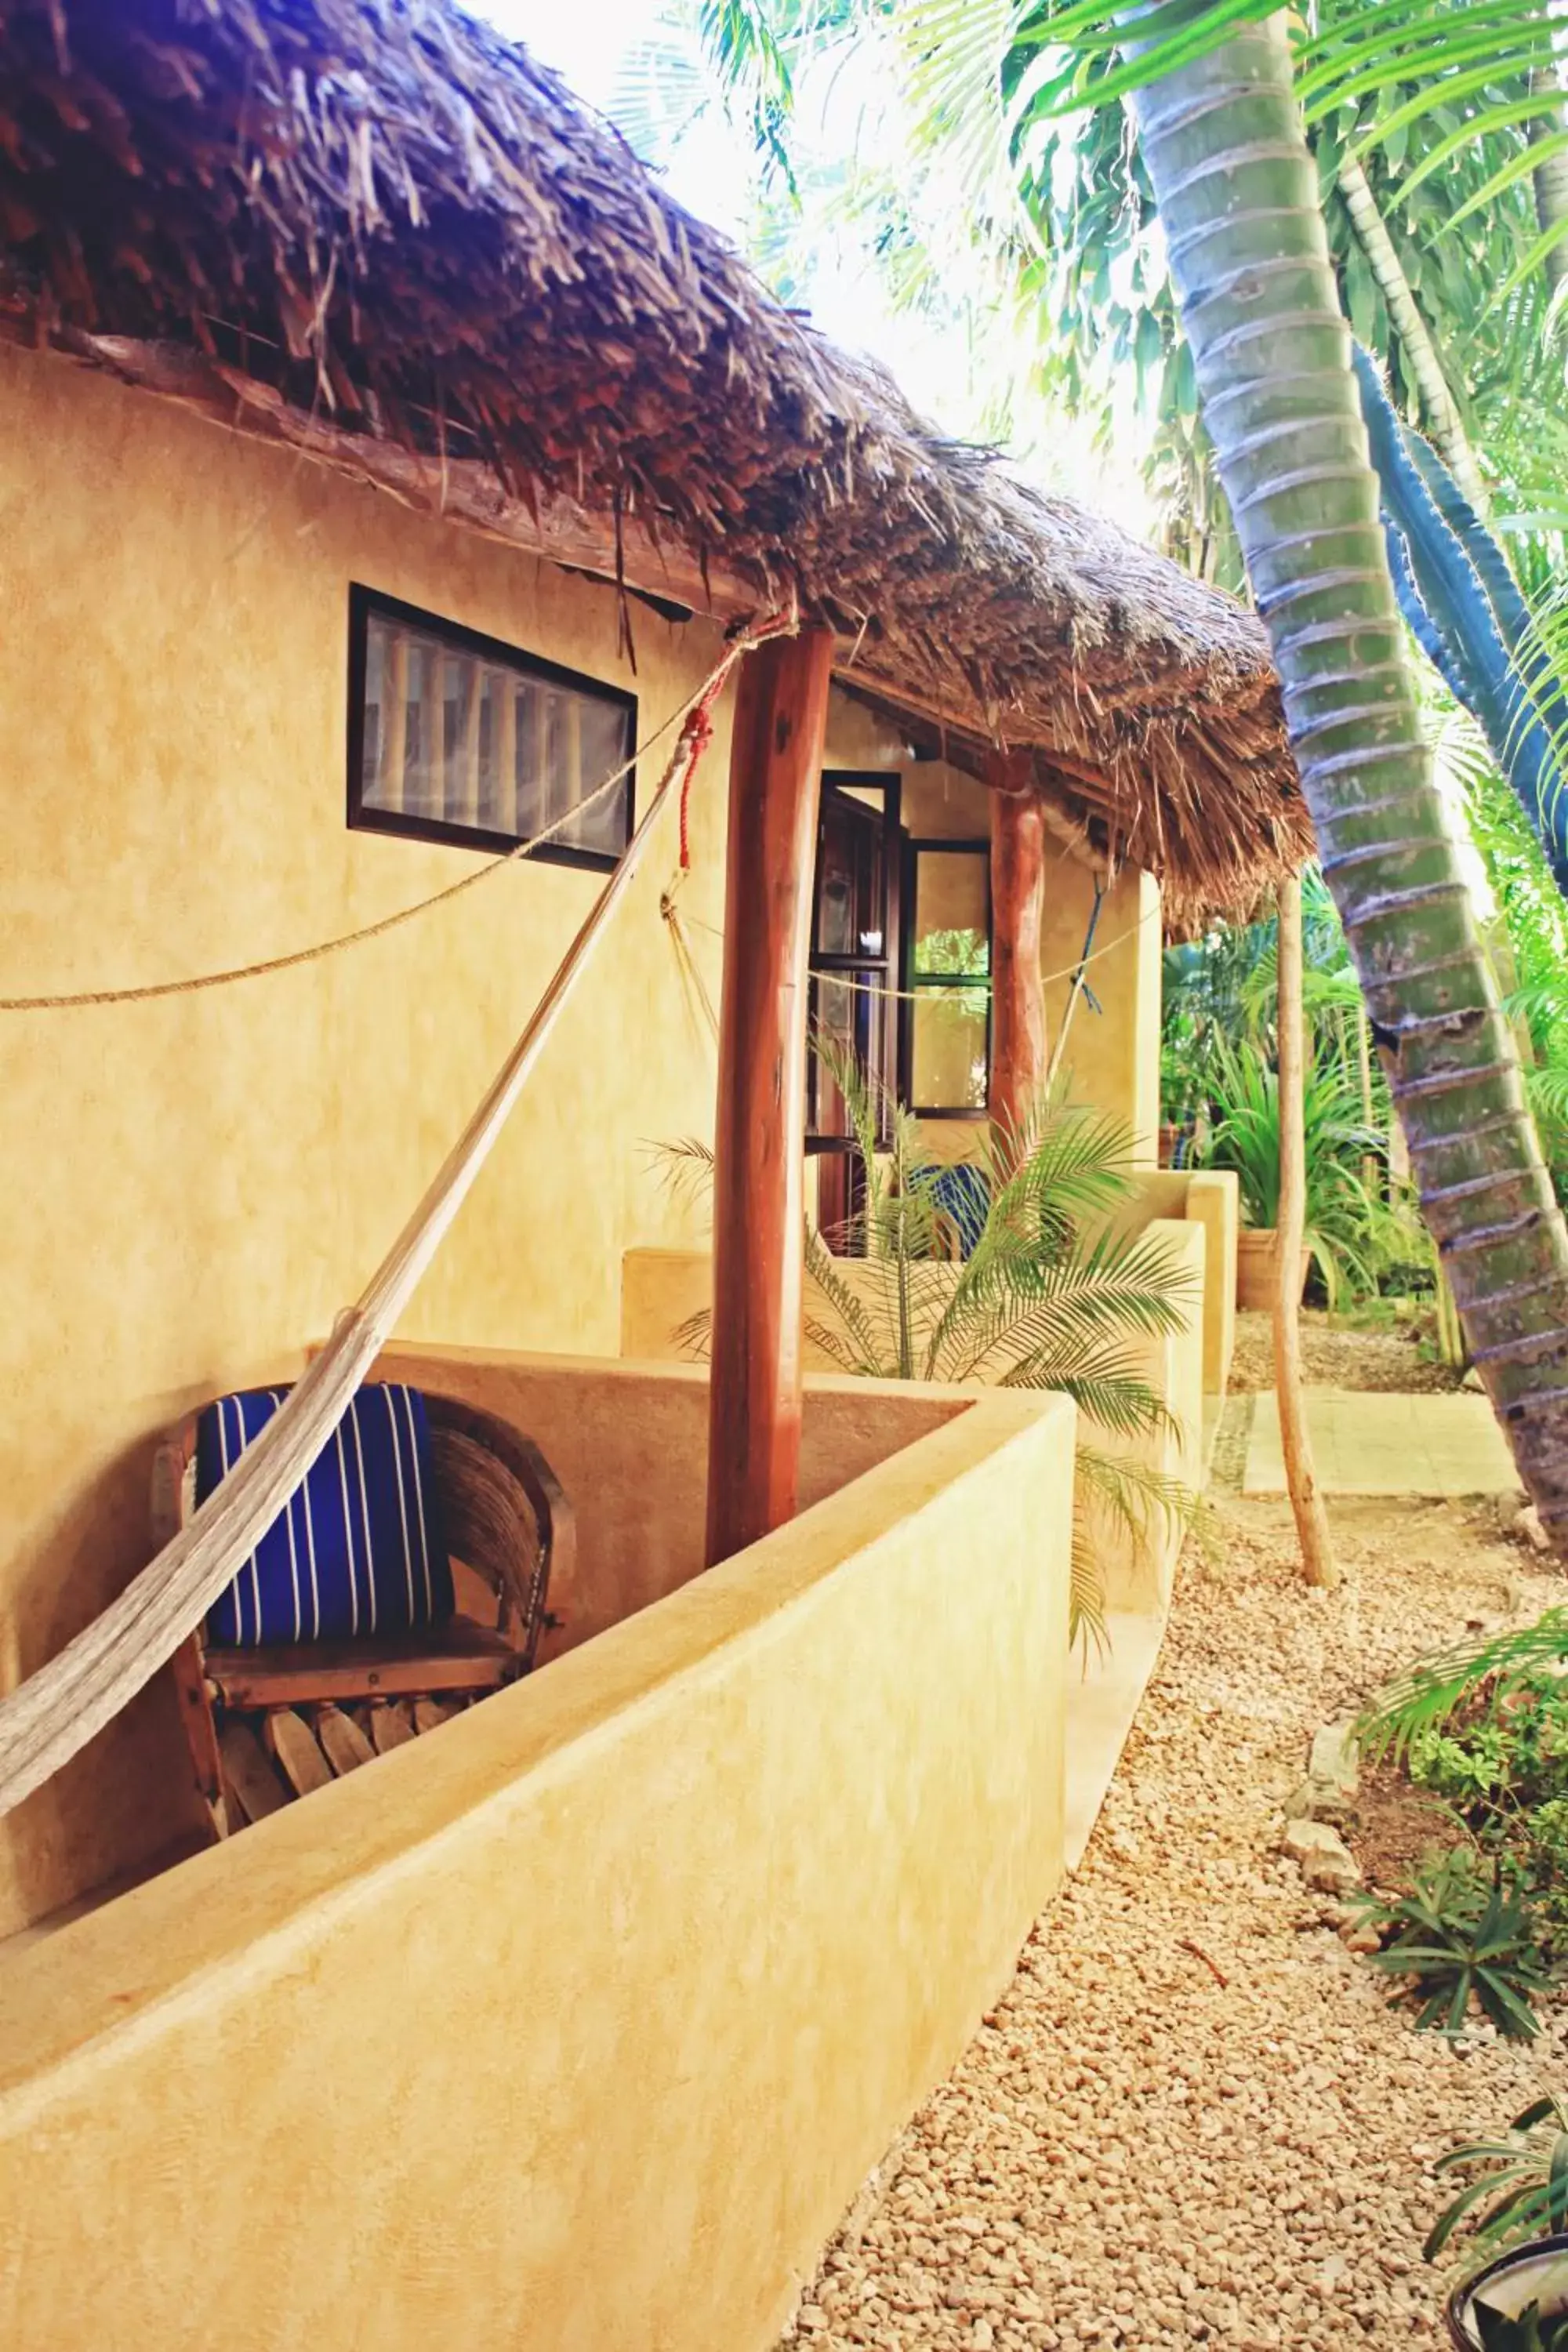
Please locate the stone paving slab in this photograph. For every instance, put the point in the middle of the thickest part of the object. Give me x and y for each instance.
(1386, 1444)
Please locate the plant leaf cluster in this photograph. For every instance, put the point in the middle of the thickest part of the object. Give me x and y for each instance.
(1463, 1933)
(1050, 1295)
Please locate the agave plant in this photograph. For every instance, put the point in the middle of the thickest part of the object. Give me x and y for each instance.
(1006, 1272)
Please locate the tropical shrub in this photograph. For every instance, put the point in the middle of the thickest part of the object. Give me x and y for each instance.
(1018, 1281)
(1483, 1726)
(1346, 1219)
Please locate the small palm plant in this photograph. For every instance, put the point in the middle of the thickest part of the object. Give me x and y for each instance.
(1047, 1296)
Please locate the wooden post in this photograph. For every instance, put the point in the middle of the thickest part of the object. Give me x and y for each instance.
(1318, 1563)
(754, 1403)
(1018, 996)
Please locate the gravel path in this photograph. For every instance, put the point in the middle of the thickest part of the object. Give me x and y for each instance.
(1130, 2154)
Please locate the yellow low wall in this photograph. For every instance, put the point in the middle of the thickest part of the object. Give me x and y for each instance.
(1210, 1197)
(629, 1444)
(1140, 1570)
(662, 1288)
(573, 2026)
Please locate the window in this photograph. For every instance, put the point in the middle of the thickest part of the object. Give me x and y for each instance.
(946, 1053)
(854, 948)
(454, 737)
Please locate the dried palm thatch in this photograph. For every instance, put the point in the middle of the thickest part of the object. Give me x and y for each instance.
(374, 229)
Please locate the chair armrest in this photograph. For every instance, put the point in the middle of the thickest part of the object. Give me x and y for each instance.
(506, 1512)
(171, 1465)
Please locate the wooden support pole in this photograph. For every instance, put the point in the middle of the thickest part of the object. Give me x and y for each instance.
(1318, 1563)
(754, 1404)
(1018, 996)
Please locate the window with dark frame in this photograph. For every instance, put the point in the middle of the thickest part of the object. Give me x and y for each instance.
(945, 1053)
(457, 738)
(854, 975)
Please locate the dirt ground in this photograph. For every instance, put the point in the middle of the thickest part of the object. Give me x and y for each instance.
(1338, 1357)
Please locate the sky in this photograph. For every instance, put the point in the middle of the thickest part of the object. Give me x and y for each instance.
(712, 172)
(584, 40)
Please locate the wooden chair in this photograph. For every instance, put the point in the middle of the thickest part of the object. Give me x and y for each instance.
(505, 1518)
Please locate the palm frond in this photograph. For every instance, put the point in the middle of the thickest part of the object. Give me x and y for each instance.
(1122, 1406)
(861, 1341)
(1086, 1591)
(1134, 1492)
(694, 1336)
(1429, 1693)
(685, 1168)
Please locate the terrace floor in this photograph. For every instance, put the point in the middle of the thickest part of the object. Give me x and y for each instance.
(1387, 1445)
(1194, 2117)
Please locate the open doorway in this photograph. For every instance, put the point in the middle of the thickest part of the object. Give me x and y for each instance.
(855, 935)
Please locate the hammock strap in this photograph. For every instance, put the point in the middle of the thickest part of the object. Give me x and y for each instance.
(58, 1710)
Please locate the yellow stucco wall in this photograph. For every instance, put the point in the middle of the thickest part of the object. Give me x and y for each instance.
(194, 1187)
(628, 1442)
(1211, 1197)
(1111, 1058)
(1140, 1565)
(573, 2026)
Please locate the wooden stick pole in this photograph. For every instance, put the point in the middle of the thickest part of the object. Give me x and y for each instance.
(1017, 997)
(1318, 1563)
(755, 1406)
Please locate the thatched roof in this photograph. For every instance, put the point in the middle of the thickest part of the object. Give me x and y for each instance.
(376, 229)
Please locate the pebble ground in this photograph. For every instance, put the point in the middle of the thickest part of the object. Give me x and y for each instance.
(1132, 2153)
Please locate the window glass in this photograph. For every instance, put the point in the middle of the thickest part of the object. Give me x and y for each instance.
(458, 736)
(948, 975)
(952, 914)
(949, 1059)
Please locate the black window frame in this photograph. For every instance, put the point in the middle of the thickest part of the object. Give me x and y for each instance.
(365, 603)
(878, 970)
(912, 983)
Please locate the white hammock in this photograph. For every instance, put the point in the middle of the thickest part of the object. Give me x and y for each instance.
(58, 1710)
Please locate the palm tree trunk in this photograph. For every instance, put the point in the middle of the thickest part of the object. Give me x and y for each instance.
(1318, 1563)
(1223, 144)
(1550, 177)
(1439, 413)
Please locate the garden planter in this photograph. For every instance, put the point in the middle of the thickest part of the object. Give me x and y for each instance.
(1255, 1257)
(1535, 2273)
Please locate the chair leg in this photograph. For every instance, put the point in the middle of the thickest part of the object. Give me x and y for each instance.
(201, 1736)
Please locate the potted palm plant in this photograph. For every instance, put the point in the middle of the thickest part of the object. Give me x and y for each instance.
(1342, 1213)
(1517, 2300)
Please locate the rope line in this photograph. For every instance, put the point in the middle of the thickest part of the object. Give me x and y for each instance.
(978, 980)
(700, 700)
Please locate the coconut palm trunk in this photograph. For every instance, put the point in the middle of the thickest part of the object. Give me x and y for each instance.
(1223, 142)
(1551, 174)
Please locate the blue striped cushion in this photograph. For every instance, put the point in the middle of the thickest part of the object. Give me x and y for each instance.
(358, 1549)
